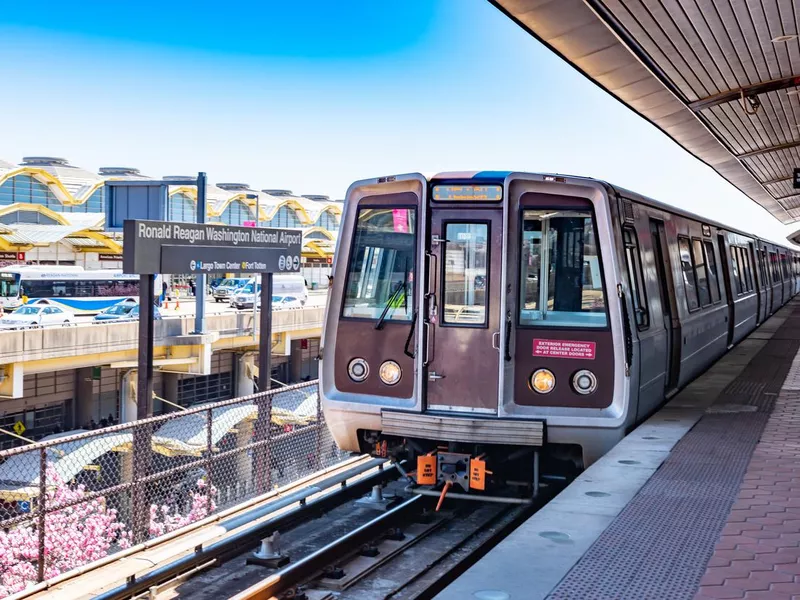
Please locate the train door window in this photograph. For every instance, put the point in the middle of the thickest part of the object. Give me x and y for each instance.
(773, 263)
(762, 269)
(700, 273)
(381, 271)
(561, 283)
(465, 277)
(784, 268)
(736, 267)
(748, 274)
(634, 260)
(744, 269)
(713, 276)
(687, 268)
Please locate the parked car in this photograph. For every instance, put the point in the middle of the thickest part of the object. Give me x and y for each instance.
(128, 309)
(224, 290)
(244, 299)
(37, 315)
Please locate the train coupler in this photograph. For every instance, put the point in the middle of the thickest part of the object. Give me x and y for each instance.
(452, 468)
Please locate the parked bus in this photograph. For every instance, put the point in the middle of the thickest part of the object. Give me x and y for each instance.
(71, 288)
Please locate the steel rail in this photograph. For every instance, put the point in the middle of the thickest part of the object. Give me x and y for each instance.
(300, 571)
(240, 542)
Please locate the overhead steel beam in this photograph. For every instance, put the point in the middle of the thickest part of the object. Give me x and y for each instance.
(749, 91)
(778, 180)
(760, 151)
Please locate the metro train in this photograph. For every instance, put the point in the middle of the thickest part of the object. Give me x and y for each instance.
(481, 322)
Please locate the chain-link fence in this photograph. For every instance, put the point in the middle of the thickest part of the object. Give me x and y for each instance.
(72, 499)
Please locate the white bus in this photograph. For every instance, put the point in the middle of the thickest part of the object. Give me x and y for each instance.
(71, 288)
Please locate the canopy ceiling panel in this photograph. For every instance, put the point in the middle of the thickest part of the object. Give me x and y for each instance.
(720, 77)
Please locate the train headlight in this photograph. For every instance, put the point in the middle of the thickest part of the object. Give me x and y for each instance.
(584, 382)
(358, 369)
(390, 372)
(543, 381)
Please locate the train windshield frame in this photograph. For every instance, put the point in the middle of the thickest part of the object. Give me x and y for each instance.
(380, 274)
(551, 273)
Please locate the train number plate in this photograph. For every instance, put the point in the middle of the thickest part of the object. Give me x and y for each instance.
(564, 349)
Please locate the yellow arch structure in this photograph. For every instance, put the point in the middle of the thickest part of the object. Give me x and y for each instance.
(59, 218)
(322, 230)
(53, 183)
(40, 208)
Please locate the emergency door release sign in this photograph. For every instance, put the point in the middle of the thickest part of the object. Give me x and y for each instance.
(564, 349)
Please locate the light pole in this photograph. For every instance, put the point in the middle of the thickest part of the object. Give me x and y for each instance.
(257, 198)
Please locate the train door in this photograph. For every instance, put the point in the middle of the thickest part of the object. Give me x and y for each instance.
(757, 283)
(669, 309)
(764, 289)
(726, 276)
(463, 309)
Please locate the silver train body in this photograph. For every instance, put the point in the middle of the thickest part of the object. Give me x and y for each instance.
(514, 310)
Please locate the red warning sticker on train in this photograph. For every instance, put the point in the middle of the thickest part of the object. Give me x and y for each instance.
(564, 349)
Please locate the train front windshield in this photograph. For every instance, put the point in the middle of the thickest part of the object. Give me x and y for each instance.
(381, 272)
(561, 282)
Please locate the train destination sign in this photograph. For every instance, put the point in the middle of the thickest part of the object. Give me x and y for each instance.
(564, 349)
(170, 248)
(470, 193)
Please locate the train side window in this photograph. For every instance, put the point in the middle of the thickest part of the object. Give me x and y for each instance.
(687, 268)
(639, 296)
(700, 273)
(713, 276)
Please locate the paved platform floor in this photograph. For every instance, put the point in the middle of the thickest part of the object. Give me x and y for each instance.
(701, 501)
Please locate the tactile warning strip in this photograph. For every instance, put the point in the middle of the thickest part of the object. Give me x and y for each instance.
(758, 554)
(659, 545)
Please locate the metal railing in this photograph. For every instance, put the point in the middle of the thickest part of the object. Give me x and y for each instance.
(73, 499)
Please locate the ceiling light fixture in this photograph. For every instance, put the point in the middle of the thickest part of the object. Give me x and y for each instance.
(784, 38)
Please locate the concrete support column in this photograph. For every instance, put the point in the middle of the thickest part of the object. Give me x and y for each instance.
(127, 397)
(85, 409)
(243, 460)
(296, 362)
(169, 382)
(244, 383)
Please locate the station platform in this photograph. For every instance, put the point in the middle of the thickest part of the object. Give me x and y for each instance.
(700, 501)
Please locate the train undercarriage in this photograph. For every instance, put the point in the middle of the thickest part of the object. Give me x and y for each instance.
(486, 472)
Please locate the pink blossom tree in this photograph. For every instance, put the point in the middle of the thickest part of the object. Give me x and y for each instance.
(165, 519)
(82, 533)
(74, 536)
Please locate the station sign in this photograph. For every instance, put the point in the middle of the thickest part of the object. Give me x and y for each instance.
(110, 257)
(12, 256)
(173, 248)
(318, 260)
(796, 179)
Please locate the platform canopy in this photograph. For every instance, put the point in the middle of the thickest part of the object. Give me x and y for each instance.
(720, 77)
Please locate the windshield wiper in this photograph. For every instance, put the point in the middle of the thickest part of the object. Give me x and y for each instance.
(401, 287)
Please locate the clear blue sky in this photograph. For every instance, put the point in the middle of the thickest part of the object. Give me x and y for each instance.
(313, 95)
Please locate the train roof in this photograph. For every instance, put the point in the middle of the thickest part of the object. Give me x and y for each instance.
(502, 175)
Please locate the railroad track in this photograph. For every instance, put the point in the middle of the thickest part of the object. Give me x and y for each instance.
(333, 544)
(354, 552)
